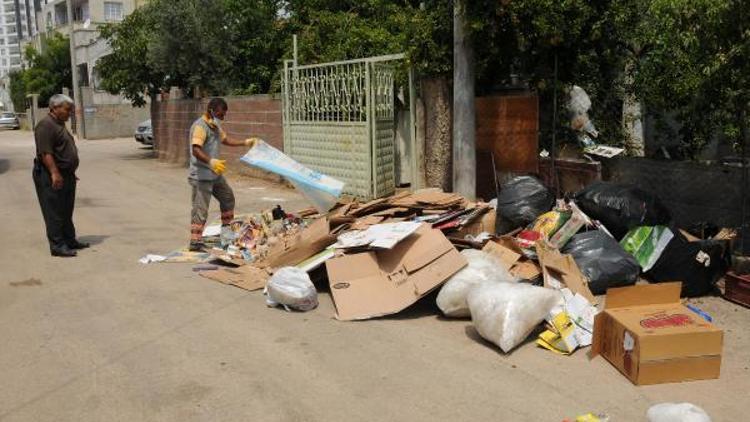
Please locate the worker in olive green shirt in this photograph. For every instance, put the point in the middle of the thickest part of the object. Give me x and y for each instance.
(55, 176)
(206, 170)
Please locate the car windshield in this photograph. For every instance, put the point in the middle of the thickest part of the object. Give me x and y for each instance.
(8, 115)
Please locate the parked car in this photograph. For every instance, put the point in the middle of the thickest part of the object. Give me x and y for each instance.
(144, 134)
(9, 120)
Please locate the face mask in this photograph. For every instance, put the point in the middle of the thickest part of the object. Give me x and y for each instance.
(217, 121)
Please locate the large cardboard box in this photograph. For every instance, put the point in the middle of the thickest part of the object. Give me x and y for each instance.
(376, 283)
(649, 336)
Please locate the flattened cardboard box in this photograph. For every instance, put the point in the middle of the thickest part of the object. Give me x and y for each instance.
(651, 338)
(371, 284)
(246, 277)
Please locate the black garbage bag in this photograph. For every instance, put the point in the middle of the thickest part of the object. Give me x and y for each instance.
(698, 265)
(621, 207)
(603, 261)
(521, 201)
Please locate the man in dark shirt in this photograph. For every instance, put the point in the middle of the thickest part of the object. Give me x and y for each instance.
(54, 176)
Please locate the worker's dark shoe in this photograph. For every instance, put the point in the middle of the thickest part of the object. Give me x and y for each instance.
(63, 252)
(197, 247)
(78, 245)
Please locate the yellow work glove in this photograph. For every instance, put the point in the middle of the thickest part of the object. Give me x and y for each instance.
(218, 166)
(251, 142)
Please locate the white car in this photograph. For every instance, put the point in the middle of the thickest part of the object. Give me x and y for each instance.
(9, 120)
(144, 133)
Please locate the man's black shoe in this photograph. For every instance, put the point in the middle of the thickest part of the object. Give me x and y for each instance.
(63, 252)
(78, 245)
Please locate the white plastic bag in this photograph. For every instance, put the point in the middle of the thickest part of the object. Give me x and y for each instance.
(323, 191)
(506, 313)
(482, 268)
(291, 287)
(677, 412)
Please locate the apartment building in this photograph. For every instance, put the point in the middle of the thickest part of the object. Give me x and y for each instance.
(87, 16)
(17, 21)
(100, 115)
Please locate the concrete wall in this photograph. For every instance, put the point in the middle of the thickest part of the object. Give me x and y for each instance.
(104, 121)
(109, 116)
(257, 115)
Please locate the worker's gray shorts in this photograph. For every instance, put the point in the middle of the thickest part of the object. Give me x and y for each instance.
(202, 192)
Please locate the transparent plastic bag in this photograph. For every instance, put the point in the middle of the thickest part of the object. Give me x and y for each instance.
(506, 313)
(291, 287)
(321, 190)
(482, 268)
(677, 412)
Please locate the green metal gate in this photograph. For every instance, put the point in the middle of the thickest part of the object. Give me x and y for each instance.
(339, 120)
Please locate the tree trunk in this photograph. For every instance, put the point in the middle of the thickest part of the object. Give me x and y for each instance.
(438, 148)
(464, 113)
(632, 118)
(154, 112)
(744, 140)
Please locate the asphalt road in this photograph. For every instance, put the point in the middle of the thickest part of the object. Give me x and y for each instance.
(104, 338)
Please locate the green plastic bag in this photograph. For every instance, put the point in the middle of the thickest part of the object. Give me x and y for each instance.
(646, 244)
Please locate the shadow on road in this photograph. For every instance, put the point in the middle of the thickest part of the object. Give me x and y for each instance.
(4, 165)
(95, 239)
(142, 153)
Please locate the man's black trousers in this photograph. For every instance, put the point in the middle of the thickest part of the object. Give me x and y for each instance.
(57, 206)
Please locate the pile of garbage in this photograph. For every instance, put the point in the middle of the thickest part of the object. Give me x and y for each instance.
(250, 238)
(523, 266)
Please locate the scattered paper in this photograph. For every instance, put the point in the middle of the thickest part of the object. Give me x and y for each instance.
(212, 230)
(570, 323)
(383, 236)
(148, 259)
(604, 151)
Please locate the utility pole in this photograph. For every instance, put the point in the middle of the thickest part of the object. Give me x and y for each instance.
(464, 113)
(74, 72)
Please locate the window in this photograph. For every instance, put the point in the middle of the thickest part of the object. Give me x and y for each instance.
(83, 74)
(15, 61)
(112, 11)
(81, 13)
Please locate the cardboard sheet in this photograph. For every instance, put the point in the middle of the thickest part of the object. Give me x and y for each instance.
(384, 236)
(246, 277)
(561, 271)
(512, 258)
(372, 284)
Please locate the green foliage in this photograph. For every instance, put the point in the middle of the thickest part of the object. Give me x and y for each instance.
(259, 37)
(698, 67)
(427, 37)
(126, 70)
(192, 43)
(345, 29)
(17, 91)
(221, 47)
(48, 71)
(522, 38)
(688, 56)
